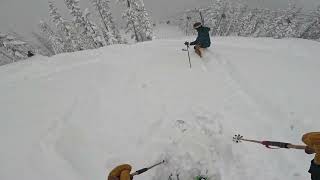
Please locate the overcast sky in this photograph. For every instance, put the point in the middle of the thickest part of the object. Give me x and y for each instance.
(22, 16)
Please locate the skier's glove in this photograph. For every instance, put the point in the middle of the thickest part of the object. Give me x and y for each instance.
(308, 150)
(186, 43)
(121, 172)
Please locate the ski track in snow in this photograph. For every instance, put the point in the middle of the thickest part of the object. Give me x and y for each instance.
(207, 125)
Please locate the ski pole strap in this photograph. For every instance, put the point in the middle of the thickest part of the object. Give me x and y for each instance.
(275, 144)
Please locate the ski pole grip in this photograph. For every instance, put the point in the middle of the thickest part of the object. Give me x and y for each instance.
(141, 171)
(276, 144)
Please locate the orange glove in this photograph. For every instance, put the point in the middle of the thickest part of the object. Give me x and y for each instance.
(121, 172)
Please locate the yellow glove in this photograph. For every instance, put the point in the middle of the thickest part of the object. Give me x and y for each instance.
(121, 172)
(312, 140)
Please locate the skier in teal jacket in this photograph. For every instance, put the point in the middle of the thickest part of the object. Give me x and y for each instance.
(203, 40)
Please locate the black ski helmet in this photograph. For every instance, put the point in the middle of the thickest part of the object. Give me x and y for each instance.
(197, 25)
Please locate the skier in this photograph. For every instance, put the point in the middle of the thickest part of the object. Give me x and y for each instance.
(121, 172)
(203, 39)
(312, 140)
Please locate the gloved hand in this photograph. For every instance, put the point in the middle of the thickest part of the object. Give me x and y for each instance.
(308, 150)
(121, 172)
(186, 43)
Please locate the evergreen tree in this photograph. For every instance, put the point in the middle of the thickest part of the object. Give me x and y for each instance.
(286, 24)
(217, 17)
(311, 29)
(13, 49)
(90, 36)
(92, 29)
(268, 26)
(30, 45)
(145, 24)
(5, 56)
(237, 18)
(55, 40)
(66, 29)
(132, 21)
(138, 20)
(44, 43)
(252, 22)
(110, 32)
(260, 20)
(236, 11)
(237, 15)
(246, 24)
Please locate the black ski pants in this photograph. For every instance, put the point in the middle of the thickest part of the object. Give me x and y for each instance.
(314, 171)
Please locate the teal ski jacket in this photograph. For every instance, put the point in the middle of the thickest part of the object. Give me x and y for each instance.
(203, 38)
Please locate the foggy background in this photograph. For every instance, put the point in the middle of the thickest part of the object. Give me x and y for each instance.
(23, 16)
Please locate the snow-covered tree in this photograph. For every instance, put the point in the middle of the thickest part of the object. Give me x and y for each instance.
(286, 24)
(145, 26)
(251, 23)
(236, 18)
(44, 43)
(13, 46)
(55, 39)
(13, 49)
(110, 32)
(30, 45)
(217, 16)
(246, 24)
(92, 29)
(5, 58)
(236, 11)
(267, 25)
(311, 28)
(188, 18)
(258, 22)
(87, 30)
(132, 21)
(65, 28)
(138, 20)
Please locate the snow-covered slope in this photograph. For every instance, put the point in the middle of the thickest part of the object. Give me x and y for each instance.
(76, 116)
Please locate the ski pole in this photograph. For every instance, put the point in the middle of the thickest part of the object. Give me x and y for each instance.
(146, 169)
(269, 144)
(189, 55)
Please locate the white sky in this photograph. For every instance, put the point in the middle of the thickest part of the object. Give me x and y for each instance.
(22, 16)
